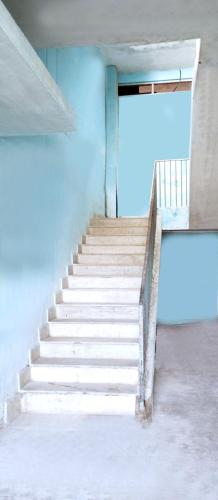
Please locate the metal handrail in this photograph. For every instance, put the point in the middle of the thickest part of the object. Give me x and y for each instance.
(147, 301)
(152, 205)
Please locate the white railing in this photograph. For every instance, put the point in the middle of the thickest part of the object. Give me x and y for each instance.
(173, 183)
(173, 192)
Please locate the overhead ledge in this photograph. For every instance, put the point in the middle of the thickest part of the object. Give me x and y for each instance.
(31, 103)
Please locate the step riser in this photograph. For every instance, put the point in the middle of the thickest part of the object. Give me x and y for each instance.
(83, 270)
(112, 249)
(100, 297)
(114, 240)
(78, 404)
(102, 330)
(79, 312)
(84, 374)
(89, 350)
(117, 231)
(131, 260)
(120, 222)
(105, 282)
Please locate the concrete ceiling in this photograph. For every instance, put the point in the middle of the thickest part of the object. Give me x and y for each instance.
(135, 58)
(30, 101)
(68, 22)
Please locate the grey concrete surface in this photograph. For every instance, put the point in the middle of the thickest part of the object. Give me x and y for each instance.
(115, 458)
(54, 23)
(30, 101)
(204, 151)
(163, 56)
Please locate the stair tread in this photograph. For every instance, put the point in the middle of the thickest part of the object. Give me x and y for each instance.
(116, 363)
(105, 276)
(97, 304)
(117, 266)
(102, 277)
(114, 244)
(49, 387)
(109, 240)
(101, 290)
(93, 321)
(90, 340)
(104, 270)
(111, 254)
(123, 217)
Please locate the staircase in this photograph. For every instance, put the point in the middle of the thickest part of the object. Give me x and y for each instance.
(87, 358)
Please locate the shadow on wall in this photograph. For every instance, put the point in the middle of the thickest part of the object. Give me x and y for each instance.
(49, 187)
(188, 277)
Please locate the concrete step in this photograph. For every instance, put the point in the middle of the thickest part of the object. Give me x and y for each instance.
(103, 348)
(78, 399)
(117, 231)
(102, 282)
(114, 240)
(95, 311)
(100, 296)
(112, 249)
(105, 270)
(63, 370)
(92, 332)
(95, 260)
(120, 222)
(90, 328)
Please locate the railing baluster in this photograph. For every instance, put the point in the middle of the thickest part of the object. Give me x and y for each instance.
(165, 198)
(160, 184)
(187, 197)
(170, 184)
(176, 182)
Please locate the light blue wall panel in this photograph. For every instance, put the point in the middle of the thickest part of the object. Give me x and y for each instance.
(188, 277)
(112, 125)
(49, 187)
(152, 127)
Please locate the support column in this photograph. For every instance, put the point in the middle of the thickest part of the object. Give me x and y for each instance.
(204, 153)
(112, 126)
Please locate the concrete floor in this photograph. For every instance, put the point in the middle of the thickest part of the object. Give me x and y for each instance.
(98, 458)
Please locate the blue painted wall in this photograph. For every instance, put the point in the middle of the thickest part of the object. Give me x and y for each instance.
(112, 142)
(155, 76)
(49, 187)
(152, 127)
(188, 277)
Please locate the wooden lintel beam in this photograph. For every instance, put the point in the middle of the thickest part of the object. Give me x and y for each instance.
(157, 88)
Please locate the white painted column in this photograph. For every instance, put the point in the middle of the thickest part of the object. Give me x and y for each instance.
(204, 147)
(112, 126)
